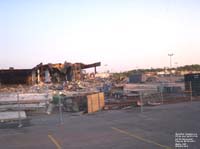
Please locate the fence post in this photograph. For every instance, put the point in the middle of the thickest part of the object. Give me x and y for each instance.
(60, 109)
(161, 93)
(47, 96)
(141, 102)
(190, 91)
(19, 114)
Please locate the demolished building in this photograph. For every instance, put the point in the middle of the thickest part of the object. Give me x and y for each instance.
(15, 76)
(45, 73)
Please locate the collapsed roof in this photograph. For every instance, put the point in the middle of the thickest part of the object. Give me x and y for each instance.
(45, 73)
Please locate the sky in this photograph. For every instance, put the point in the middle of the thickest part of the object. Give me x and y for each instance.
(121, 34)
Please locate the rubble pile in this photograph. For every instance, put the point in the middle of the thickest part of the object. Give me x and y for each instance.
(49, 86)
(78, 95)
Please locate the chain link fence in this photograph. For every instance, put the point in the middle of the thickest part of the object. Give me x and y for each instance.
(16, 106)
(168, 93)
(145, 95)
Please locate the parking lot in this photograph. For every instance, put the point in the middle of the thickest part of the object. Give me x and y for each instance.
(154, 128)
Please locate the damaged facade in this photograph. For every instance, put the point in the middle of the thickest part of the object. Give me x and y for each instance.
(48, 73)
(15, 76)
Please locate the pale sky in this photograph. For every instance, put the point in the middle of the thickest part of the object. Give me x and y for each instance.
(122, 34)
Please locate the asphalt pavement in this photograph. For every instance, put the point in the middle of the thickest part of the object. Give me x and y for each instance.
(155, 128)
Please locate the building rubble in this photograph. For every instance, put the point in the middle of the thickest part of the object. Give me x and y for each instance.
(41, 88)
(30, 90)
(86, 94)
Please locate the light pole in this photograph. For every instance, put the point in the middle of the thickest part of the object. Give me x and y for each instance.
(170, 55)
(176, 65)
(106, 65)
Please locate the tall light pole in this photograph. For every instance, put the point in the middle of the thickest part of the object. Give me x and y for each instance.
(170, 55)
(106, 65)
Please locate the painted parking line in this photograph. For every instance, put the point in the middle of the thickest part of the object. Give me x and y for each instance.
(140, 138)
(58, 146)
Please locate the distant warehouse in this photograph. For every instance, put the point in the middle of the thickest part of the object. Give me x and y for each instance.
(192, 83)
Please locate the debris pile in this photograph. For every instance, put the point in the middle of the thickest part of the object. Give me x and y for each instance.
(67, 85)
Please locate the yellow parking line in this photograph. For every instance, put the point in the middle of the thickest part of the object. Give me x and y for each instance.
(140, 138)
(55, 142)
